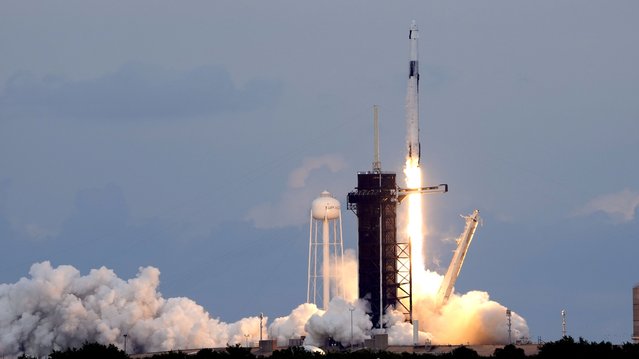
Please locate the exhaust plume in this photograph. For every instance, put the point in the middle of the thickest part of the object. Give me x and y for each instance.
(465, 318)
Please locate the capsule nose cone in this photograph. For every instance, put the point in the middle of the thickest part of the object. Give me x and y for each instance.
(413, 33)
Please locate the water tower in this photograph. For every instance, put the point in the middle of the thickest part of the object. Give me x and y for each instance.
(325, 249)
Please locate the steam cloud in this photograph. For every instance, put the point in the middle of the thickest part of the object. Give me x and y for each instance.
(58, 308)
(470, 318)
(466, 318)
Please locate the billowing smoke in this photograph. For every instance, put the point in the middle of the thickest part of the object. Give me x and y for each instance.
(400, 332)
(335, 323)
(57, 308)
(470, 318)
(292, 326)
(466, 318)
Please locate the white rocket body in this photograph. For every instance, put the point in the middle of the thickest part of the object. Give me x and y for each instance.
(412, 97)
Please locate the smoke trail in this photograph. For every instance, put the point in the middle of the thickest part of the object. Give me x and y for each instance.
(57, 308)
(346, 273)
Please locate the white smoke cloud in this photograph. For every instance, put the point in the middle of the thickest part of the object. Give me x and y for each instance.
(292, 209)
(292, 326)
(297, 178)
(57, 308)
(620, 206)
(346, 273)
(400, 332)
(335, 322)
(465, 318)
(293, 206)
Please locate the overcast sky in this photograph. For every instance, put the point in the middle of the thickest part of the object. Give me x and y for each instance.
(192, 136)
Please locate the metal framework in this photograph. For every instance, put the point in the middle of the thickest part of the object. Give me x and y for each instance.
(384, 265)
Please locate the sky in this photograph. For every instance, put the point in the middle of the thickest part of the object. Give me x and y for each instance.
(193, 136)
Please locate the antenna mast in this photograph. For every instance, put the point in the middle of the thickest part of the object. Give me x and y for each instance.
(508, 316)
(377, 165)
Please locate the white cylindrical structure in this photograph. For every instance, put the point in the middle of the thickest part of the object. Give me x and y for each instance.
(326, 265)
(412, 97)
(325, 210)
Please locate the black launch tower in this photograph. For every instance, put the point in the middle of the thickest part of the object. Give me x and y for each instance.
(384, 264)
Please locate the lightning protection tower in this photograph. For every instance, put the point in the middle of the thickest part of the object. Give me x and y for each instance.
(325, 237)
(383, 263)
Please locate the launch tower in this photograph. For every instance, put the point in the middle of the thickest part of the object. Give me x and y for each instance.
(381, 280)
(384, 264)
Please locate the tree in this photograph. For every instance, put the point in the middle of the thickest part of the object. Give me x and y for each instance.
(171, 355)
(237, 352)
(292, 352)
(509, 352)
(90, 350)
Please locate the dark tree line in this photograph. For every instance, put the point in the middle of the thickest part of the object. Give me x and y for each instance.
(565, 348)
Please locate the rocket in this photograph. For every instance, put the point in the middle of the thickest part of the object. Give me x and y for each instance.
(412, 98)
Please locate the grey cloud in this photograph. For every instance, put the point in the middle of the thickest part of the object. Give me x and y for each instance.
(619, 206)
(136, 91)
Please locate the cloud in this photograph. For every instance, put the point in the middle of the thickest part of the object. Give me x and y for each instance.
(291, 209)
(620, 206)
(297, 178)
(293, 206)
(136, 91)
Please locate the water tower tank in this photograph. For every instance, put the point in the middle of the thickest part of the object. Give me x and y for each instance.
(325, 207)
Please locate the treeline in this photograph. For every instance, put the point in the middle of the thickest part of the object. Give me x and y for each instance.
(564, 348)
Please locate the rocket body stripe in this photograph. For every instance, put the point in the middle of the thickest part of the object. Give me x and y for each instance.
(412, 97)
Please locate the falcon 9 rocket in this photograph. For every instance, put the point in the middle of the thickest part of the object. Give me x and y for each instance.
(412, 98)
